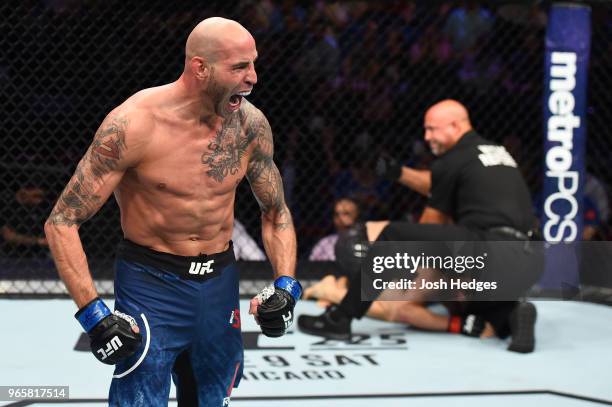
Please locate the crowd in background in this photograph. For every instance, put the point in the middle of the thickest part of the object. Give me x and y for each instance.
(340, 81)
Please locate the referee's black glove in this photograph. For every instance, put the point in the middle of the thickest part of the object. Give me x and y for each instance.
(388, 167)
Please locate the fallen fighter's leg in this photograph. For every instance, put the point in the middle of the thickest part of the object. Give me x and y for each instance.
(416, 314)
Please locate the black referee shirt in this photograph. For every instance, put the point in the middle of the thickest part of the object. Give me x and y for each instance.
(478, 184)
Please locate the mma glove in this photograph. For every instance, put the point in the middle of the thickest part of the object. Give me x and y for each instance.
(275, 312)
(111, 336)
(468, 325)
(388, 167)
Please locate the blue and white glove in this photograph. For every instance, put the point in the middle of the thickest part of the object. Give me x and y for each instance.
(111, 335)
(275, 312)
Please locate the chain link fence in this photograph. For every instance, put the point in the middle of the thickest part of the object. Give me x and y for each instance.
(340, 82)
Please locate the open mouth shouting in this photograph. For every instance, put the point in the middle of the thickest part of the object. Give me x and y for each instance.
(236, 99)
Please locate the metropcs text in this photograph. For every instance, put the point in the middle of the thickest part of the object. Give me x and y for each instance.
(405, 261)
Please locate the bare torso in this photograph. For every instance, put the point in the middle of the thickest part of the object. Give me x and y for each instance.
(173, 156)
(179, 198)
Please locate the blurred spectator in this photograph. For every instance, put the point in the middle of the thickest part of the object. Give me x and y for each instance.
(395, 47)
(293, 21)
(288, 168)
(336, 11)
(22, 223)
(245, 247)
(532, 15)
(61, 6)
(361, 184)
(320, 57)
(525, 58)
(260, 17)
(596, 209)
(405, 20)
(378, 104)
(346, 213)
(431, 48)
(467, 24)
(431, 64)
(481, 68)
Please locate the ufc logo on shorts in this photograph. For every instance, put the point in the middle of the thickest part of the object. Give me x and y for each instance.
(288, 319)
(111, 347)
(201, 268)
(226, 401)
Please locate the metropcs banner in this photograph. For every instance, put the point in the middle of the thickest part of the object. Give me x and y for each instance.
(568, 41)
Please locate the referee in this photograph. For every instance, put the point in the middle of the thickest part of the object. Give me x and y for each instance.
(476, 193)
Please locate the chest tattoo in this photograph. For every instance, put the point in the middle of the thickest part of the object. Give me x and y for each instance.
(223, 155)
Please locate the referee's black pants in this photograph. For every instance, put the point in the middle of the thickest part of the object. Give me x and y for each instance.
(495, 312)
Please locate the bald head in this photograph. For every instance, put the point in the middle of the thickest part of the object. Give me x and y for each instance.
(219, 68)
(449, 110)
(445, 123)
(212, 38)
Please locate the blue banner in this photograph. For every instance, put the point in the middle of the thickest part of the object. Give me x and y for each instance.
(568, 42)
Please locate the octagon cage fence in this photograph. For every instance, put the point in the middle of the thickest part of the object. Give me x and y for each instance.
(340, 82)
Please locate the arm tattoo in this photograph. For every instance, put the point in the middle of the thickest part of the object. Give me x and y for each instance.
(79, 201)
(263, 175)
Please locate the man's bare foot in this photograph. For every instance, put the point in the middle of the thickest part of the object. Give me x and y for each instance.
(488, 331)
(323, 303)
(342, 282)
(322, 289)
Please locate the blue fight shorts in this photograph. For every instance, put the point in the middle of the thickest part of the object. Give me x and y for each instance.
(188, 312)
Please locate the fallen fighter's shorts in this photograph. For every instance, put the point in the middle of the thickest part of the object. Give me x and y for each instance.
(187, 309)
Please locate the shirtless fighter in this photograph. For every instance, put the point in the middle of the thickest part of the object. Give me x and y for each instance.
(173, 156)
